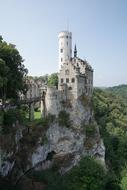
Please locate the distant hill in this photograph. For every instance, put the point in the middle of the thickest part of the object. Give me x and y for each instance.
(120, 90)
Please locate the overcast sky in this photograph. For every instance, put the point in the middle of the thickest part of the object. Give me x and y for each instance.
(99, 28)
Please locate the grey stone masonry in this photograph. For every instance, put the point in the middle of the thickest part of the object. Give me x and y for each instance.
(75, 79)
(77, 74)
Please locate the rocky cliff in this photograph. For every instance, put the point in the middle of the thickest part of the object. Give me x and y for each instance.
(56, 142)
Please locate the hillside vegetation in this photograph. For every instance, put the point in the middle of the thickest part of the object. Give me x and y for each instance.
(110, 107)
(120, 90)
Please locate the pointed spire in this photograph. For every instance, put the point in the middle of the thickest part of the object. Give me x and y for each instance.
(75, 51)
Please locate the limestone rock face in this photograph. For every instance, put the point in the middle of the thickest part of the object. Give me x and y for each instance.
(80, 114)
(67, 146)
(61, 142)
(5, 165)
(9, 147)
(63, 146)
(40, 154)
(98, 150)
(6, 168)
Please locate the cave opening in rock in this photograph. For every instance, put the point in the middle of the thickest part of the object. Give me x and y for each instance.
(50, 155)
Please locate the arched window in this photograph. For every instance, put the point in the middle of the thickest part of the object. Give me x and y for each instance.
(70, 88)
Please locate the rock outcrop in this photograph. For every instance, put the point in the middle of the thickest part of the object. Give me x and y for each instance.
(55, 145)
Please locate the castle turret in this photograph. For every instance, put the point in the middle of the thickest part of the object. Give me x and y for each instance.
(65, 47)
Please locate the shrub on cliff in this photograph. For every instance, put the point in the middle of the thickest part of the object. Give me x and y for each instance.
(64, 119)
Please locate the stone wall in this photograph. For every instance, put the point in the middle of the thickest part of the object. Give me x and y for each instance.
(52, 101)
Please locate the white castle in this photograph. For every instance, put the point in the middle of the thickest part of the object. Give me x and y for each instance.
(75, 77)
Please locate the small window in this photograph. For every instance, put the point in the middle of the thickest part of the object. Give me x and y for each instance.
(62, 80)
(67, 43)
(67, 80)
(61, 50)
(61, 59)
(73, 80)
(66, 36)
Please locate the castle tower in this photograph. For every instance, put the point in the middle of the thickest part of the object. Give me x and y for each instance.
(65, 47)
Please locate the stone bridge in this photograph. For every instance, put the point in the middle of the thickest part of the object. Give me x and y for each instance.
(30, 102)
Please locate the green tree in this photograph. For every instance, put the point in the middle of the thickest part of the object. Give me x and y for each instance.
(53, 80)
(3, 79)
(88, 175)
(12, 72)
